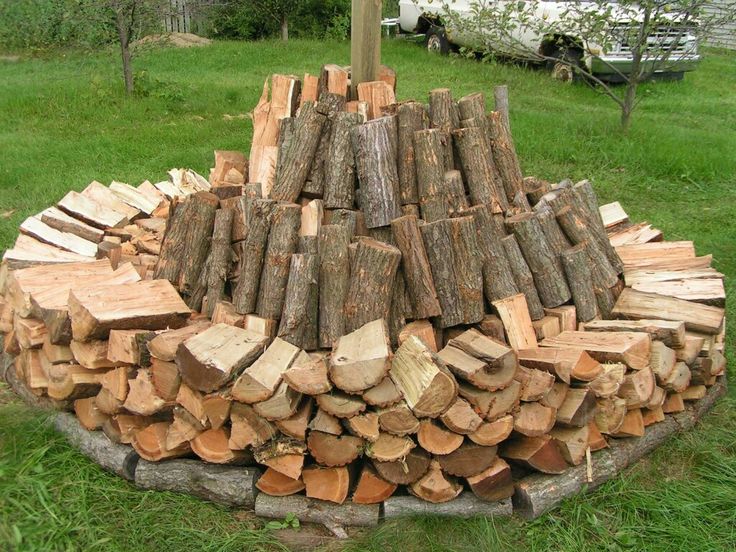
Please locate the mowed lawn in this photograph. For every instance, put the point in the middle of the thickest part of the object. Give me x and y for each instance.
(65, 122)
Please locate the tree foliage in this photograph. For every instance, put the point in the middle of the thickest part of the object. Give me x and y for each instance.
(656, 36)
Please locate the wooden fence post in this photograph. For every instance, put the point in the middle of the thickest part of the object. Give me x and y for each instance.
(365, 47)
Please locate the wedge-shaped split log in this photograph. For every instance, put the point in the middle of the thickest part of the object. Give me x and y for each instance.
(260, 380)
(361, 359)
(631, 348)
(423, 380)
(212, 358)
(96, 310)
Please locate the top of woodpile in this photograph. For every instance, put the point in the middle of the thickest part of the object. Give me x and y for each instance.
(375, 280)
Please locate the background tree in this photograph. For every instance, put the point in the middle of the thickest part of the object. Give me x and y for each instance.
(656, 35)
(280, 10)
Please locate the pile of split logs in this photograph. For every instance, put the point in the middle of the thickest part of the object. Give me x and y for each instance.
(375, 298)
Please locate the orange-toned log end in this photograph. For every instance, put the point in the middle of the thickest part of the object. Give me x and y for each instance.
(289, 465)
(329, 484)
(493, 484)
(150, 443)
(492, 433)
(277, 484)
(596, 441)
(372, 488)
(437, 439)
(212, 446)
(90, 416)
(435, 486)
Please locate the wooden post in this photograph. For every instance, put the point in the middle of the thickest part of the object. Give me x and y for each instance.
(365, 37)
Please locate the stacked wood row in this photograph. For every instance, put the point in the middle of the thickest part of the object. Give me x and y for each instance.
(374, 302)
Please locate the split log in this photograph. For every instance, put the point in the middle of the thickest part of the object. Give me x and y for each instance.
(283, 455)
(308, 375)
(607, 384)
(405, 471)
(88, 414)
(166, 379)
(430, 147)
(118, 459)
(281, 405)
(631, 348)
(461, 418)
(372, 488)
(212, 446)
(300, 154)
(564, 363)
(375, 149)
(422, 329)
(636, 305)
(314, 511)
(361, 359)
(468, 460)
(150, 443)
(479, 169)
(371, 283)
(398, 419)
(165, 344)
(422, 378)
(72, 381)
(245, 294)
(490, 434)
(637, 388)
(578, 408)
(478, 372)
(274, 483)
(333, 450)
(59, 220)
(33, 226)
(248, 428)
(535, 383)
(142, 398)
(377, 94)
(365, 426)
(416, 267)
(670, 333)
(340, 405)
(282, 241)
(538, 453)
(577, 269)
(330, 484)
(493, 484)
(492, 404)
(632, 426)
(389, 448)
(545, 266)
(212, 358)
(514, 314)
(436, 487)
(436, 439)
(96, 310)
(382, 395)
(610, 415)
(534, 419)
(92, 355)
(339, 189)
(523, 276)
(91, 212)
(129, 347)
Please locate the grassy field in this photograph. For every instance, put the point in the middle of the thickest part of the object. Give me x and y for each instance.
(65, 122)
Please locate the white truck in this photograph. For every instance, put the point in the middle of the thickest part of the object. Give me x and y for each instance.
(428, 17)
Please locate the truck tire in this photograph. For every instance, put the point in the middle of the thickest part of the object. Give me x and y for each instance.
(436, 40)
(563, 67)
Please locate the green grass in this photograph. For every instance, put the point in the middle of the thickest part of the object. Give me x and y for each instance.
(64, 122)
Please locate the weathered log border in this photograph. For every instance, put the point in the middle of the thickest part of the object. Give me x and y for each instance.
(235, 486)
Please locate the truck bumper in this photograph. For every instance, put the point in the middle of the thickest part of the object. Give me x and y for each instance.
(610, 67)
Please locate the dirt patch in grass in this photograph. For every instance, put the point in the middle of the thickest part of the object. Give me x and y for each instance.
(177, 40)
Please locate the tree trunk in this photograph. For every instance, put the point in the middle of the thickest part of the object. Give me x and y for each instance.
(284, 28)
(124, 39)
(627, 108)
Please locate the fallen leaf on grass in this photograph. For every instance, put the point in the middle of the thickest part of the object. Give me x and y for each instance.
(7, 214)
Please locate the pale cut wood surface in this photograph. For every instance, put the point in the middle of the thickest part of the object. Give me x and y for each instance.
(632, 348)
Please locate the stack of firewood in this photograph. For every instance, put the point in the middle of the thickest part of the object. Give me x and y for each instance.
(376, 297)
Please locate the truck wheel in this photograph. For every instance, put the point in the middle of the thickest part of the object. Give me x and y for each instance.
(563, 68)
(437, 42)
